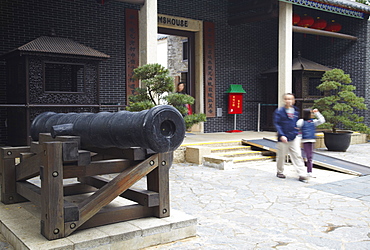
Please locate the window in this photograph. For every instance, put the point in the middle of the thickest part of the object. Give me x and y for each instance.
(185, 50)
(313, 83)
(64, 77)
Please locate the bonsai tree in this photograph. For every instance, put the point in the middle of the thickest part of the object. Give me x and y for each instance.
(178, 101)
(339, 103)
(157, 88)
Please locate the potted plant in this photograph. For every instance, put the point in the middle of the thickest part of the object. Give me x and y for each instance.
(157, 88)
(337, 106)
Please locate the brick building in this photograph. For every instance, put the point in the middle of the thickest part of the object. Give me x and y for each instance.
(230, 41)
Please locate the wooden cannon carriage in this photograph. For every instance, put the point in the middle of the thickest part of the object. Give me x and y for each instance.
(60, 158)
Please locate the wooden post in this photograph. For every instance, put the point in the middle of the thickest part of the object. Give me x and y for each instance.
(9, 193)
(158, 181)
(52, 203)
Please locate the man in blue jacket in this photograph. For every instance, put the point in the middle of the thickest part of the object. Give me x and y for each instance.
(285, 120)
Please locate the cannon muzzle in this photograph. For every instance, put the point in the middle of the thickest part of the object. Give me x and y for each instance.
(160, 129)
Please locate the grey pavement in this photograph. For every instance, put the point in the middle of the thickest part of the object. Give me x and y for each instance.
(249, 208)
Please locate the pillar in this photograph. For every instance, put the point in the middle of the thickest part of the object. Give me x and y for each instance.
(148, 32)
(285, 60)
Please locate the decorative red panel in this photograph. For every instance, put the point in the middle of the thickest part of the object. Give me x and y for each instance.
(132, 50)
(209, 68)
(235, 103)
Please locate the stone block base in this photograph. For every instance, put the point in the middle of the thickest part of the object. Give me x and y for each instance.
(20, 225)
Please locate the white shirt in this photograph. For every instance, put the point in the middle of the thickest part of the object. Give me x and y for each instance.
(320, 120)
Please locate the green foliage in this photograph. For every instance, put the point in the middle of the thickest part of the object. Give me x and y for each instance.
(367, 2)
(178, 100)
(157, 88)
(155, 81)
(139, 106)
(339, 102)
(190, 120)
(139, 101)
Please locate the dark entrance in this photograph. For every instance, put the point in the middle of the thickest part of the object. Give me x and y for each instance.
(189, 53)
(306, 76)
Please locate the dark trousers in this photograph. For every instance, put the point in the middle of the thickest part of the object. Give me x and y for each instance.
(308, 150)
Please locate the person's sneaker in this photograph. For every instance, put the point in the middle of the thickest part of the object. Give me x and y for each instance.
(309, 174)
(303, 179)
(280, 176)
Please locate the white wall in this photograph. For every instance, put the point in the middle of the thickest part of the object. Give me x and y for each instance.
(162, 48)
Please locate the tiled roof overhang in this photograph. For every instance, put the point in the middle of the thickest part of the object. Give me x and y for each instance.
(302, 64)
(57, 46)
(341, 7)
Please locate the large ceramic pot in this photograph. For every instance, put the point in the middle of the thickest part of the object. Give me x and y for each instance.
(338, 141)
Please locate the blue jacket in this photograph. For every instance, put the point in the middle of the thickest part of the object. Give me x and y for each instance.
(308, 130)
(284, 125)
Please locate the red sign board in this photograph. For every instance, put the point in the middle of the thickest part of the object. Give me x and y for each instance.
(235, 103)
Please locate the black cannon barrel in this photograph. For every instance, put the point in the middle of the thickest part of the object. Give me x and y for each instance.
(160, 129)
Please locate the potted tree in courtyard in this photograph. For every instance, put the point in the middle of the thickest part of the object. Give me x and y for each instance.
(338, 106)
(157, 88)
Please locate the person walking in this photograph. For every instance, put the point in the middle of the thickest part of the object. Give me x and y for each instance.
(285, 120)
(308, 125)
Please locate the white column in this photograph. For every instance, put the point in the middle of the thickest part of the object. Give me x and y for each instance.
(148, 19)
(285, 50)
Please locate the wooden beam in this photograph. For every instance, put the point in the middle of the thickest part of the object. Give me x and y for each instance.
(30, 191)
(109, 215)
(28, 168)
(96, 168)
(77, 188)
(317, 32)
(143, 197)
(92, 205)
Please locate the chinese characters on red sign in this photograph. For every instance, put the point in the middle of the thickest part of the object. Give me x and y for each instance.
(209, 68)
(235, 103)
(132, 50)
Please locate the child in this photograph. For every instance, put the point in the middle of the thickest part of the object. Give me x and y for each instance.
(308, 129)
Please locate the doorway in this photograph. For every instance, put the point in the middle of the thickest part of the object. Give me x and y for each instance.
(181, 57)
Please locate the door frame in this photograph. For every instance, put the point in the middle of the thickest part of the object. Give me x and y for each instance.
(178, 24)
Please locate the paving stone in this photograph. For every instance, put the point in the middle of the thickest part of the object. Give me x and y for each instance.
(249, 208)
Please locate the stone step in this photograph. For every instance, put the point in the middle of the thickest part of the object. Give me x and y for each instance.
(225, 156)
(230, 148)
(244, 153)
(225, 163)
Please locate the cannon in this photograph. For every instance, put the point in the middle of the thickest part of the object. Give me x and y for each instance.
(103, 155)
(160, 129)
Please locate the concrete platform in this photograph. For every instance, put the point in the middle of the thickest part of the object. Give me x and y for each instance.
(195, 139)
(20, 225)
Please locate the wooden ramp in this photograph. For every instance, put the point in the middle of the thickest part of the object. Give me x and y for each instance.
(319, 159)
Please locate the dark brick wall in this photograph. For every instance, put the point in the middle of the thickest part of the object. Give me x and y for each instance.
(100, 27)
(350, 56)
(242, 51)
